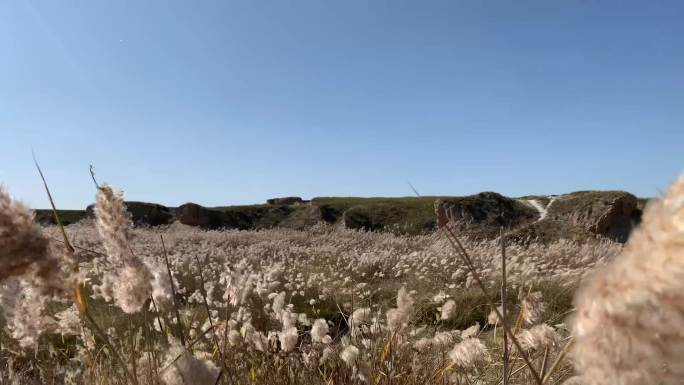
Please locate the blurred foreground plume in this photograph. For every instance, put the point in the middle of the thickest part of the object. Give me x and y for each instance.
(630, 315)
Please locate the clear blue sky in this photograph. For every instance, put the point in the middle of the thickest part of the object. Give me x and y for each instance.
(233, 102)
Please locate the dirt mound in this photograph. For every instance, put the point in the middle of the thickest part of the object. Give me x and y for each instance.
(192, 214)
(482, 215)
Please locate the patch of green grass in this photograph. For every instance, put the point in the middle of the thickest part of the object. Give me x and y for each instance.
(405, 215)
(260, 216)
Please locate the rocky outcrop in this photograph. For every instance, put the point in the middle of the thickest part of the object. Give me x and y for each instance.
(192, 214)
(151, 214)
(612, 214)
(585, 215)
(482, 215)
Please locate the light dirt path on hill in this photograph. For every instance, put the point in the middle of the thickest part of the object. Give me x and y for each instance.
(538, 206)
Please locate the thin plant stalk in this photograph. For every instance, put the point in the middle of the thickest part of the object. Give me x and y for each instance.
(513, 373)
(181, 336)
(206, 306)
(151, 356)
(458, 246)
(157, 316)
(190, 345)
(218, 378)
(92, 175)
(225, 329)
(558, 360)
(503, 306)
(67, 244)
(545, 362)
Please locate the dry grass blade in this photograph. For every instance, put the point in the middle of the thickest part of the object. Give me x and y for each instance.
(513, 373)
(67, 244)
(519, 320)
(545, 362)
(558, 360)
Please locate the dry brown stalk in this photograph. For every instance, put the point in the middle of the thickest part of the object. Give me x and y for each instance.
(206, 307)
(503, 306)
(181, 336)
(458, 246)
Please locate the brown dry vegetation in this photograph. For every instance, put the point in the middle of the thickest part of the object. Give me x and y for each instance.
(101, 302)
(323, 272)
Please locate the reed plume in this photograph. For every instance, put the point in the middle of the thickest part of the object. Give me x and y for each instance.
(182, 368)
(630, 314)
(22, 243)
(469, 353)
(130, 277)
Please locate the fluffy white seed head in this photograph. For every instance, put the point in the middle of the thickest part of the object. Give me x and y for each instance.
(182, 368)
(539, 337)
(361, 315)
(132, 288)
(469, 353)
(493, 318)
(319, 330)
(448, 310)
(288, 338)
(470, 332)
(630, 314)
(349, 355)
(113, 223)
(24, 308)
(22, 243)
(398, 318)
(278, 303)
(130, 277)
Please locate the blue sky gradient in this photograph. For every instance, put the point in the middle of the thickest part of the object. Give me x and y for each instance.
(233, 102)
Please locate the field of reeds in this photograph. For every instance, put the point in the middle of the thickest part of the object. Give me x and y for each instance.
(101, 302)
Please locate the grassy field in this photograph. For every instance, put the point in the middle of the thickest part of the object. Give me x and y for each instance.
(106, 303)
